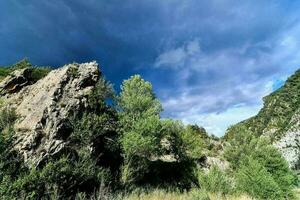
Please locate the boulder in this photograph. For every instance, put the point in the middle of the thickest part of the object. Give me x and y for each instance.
(44, 108)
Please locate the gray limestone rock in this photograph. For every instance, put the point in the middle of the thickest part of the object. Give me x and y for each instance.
(44, 107)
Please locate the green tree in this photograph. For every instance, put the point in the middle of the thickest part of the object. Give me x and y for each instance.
(244, 147)
(254, 179)
(137, 100)
(140, 125)
(275, 164)
(195, 141)
(172, 139)
(242, 143)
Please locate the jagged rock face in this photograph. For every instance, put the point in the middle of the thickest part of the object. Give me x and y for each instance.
(44, 108)
(289, 146)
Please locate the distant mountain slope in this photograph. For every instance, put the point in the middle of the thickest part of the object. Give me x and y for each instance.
(280, 119)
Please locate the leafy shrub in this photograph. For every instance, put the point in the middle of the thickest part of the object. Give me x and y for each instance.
(143, 139)
(101, 95)
(7, 117)
(216, 181)
(246, 152)
(269, 157)
(7, 156)
(4, 71)
(242, 143)
(65, 177)
(38, 73)
(137, 101)
(256, 181)
(11, 165)
(195, 141)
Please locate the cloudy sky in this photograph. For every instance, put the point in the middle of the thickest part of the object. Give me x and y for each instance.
(210, 61)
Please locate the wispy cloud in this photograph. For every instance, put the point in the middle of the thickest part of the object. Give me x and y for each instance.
(178, 57)
(221, 87)
(210, 61)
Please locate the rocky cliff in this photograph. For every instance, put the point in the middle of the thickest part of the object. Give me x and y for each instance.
(280, 119)
(43, 107)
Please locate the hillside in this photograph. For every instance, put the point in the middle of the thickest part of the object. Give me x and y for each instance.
(280, 119)
(65, 134)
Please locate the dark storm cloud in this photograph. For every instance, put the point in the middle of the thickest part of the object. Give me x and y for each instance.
(203, 57)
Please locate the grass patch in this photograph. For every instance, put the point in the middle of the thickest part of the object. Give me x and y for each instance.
(191, 195)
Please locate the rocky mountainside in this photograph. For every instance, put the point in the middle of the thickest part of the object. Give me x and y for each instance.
(43, 107)
(280, 119)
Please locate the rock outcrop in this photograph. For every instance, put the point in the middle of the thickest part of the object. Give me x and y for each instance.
(44, 107)
(16, 81)
(215, 161)
(289, 146)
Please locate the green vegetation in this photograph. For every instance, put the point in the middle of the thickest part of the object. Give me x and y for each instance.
(78, 168)
(216, 181)
(255, 180)
(277, 112)
(36, 73)
(120, 148)
(259, 168)
(155, 151)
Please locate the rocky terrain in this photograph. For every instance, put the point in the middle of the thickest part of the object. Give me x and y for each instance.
(65, 134)
(44, 106)
(280, 119)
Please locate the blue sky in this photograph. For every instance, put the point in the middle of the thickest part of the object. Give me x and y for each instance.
(210, 61)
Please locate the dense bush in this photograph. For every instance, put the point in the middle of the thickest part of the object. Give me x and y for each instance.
(195, 141)
(7, 156)
(254, 179)
(11, 165)
(242, 143)
(272, 160)
(259, 166)
(64, 177)
(216, 181)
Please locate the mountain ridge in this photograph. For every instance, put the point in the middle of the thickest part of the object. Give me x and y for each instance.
(279, 119)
